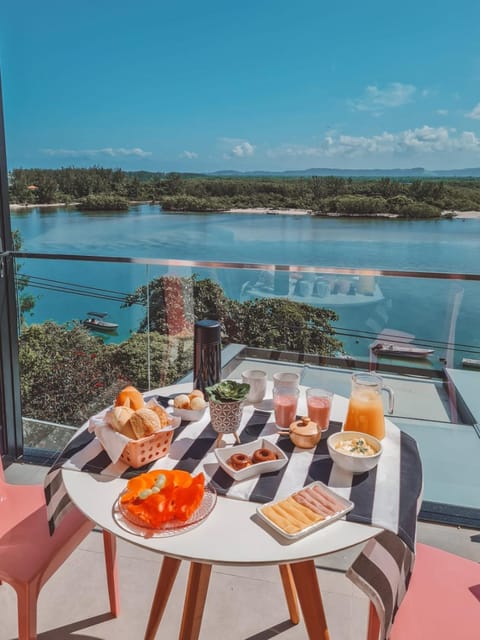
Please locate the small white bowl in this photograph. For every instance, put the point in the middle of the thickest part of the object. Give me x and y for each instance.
(349, 461)
(189, 414)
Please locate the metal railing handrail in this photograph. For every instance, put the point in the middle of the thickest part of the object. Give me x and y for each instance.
(209, 264)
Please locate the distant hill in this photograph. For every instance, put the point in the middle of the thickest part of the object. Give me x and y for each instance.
(414, 172)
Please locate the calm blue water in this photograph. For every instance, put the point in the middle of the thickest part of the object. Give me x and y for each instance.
(422, 307)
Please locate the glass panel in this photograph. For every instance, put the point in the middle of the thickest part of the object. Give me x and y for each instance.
(324, 323)
(117, 322)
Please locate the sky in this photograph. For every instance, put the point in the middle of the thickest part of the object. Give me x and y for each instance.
(218, 85)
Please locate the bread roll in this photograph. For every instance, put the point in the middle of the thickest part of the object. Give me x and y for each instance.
(197, 403)
(181, 401)
(130, 397)
(118, 418)
(161, 413)
(144, 422)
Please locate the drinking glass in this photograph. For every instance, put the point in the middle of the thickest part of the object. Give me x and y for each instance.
(285, 401)
(319, 405)
(286, 379)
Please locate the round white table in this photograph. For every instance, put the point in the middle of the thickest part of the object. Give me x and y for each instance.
(230, 535)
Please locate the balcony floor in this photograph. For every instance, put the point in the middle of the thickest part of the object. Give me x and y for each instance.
(74, 604)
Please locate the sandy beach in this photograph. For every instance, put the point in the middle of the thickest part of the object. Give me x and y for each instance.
(273, 212)
(463, 214)
(276, 212)
(306, 212)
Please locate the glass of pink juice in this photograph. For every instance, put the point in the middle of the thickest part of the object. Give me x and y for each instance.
(319, 405)
(285, 401)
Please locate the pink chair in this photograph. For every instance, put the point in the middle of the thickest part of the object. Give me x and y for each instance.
(29, 555)
(442, 601)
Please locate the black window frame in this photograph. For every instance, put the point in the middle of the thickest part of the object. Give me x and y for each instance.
(11, 430)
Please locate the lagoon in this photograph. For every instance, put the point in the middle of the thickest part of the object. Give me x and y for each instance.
(418, 306)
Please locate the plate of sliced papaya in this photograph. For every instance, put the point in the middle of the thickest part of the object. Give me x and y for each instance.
(164, 502)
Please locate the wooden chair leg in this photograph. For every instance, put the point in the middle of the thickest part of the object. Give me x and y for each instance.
(166, 580)
(290, 592)
(196, 595)
(110, 551)
(305, 577)
(373, 629)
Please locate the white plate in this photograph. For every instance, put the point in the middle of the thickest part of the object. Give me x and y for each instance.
(254, 469)
(346, 506)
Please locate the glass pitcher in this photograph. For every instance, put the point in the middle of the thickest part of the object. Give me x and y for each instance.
(365, 407)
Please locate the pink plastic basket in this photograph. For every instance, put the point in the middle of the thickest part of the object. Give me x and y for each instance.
(140, 452)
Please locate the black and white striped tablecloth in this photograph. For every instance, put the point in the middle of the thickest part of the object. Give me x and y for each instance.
(386, 497)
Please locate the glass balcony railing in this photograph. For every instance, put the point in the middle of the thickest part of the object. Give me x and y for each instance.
(89, 326)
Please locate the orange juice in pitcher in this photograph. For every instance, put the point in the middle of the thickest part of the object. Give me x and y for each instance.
(365, 407)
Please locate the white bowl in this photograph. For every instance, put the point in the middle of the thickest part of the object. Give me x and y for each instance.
(189, 414)
(349, 461)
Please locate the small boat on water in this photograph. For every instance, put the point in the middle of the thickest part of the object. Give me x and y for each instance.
(471, 363)
(96, 321)
(399, 350)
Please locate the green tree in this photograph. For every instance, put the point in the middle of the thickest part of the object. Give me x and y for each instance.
(26, 301)
(167, 358)
(281, 324)
(66, 374)
(273, 323)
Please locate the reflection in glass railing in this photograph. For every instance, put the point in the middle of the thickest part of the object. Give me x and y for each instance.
(90, 325)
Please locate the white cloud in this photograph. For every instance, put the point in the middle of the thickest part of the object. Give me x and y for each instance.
(243, 150)
(237, 148)
(442, 112)
(421, 140)
(90, 153)
(474, 113)
(190, 155)
(375, 99)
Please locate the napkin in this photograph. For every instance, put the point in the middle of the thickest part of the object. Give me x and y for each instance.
(113, 442)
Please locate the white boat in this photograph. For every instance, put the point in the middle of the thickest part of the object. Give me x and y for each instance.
(471, 363)
(399, 350)
(330, 292)
(96, 321)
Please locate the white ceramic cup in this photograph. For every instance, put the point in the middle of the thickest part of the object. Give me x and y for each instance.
(257, 379)
(286, 379)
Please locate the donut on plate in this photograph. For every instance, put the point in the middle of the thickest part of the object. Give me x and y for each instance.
(239, 461)
(263, 455)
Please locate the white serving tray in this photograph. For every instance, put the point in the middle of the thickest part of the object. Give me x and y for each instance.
(347, 505)
(254, 469)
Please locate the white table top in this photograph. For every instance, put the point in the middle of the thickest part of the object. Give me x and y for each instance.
(230, 535)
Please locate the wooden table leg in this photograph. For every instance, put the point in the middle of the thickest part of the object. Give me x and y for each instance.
(195, 597)
(166, 579)
(305, 577)
(290, 592)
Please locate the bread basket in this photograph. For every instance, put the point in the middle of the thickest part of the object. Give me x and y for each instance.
(140, 452)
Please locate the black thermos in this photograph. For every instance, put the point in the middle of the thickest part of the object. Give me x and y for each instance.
(207, 361)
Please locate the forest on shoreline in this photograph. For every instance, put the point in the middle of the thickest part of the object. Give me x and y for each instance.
(98, 188)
